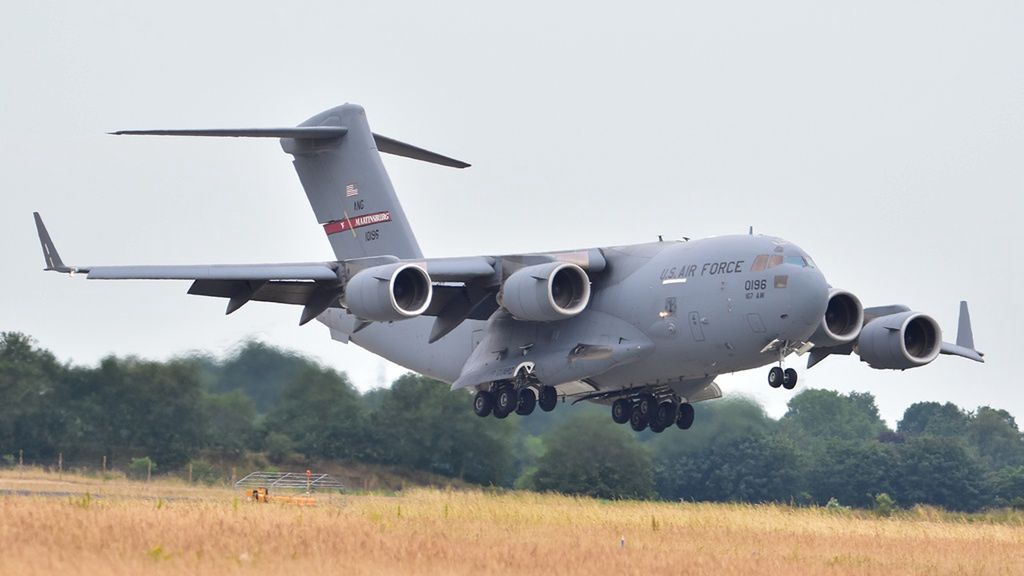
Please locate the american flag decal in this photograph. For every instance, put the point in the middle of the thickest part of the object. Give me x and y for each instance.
(351, 190)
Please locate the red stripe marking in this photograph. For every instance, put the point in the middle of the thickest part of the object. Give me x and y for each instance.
(335, 226)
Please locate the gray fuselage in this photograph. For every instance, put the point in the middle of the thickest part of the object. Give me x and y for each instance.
(707, 307)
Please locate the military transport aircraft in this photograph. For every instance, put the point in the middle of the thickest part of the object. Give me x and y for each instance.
(643, 328)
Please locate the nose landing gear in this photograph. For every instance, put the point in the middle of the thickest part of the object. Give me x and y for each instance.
(778, 377)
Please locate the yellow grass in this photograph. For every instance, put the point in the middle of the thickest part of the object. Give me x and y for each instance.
(125, 527)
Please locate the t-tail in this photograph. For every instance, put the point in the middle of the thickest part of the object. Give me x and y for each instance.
(338, 161)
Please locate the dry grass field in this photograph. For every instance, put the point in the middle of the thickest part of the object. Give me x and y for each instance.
(78, 525)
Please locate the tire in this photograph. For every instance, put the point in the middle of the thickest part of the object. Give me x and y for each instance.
(775, 377)
(789, 378)
(483, 403)
(637, 420)
(685, 418)
(548, 398)
(505, 400)
(622, 409)
(665, 415)
(648, 405)
(527, 402)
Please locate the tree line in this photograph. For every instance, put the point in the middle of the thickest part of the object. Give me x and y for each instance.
(267, 403)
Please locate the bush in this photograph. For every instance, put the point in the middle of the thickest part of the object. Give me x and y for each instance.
(884, 505)
(141, 467)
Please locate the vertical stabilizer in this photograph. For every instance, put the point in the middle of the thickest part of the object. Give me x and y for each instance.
(349, 190)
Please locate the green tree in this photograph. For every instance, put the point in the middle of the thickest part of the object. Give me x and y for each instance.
(941, 472)
(230, 422)
(757, 468)
(321, 412)
(933, 419)
(1008, 484)
(822, 414)
(852, 472)
(259, 370)
(995, 436)
(420, 423)
(32, 416)
(142, 408)
(592, 456)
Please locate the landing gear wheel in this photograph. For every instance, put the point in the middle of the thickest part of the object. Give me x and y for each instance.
(685, 418)
(637, 420)
(789, 379)
(548, 398)
(665, 416)
(648, 405)
(657, 428)
(505, 401)
(622, 409)
(775, 377)
(527, 402)
(483, 403)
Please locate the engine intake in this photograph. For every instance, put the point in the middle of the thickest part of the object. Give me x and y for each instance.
(900, 341)
(546, 292)
(844, 317)
(390, 292)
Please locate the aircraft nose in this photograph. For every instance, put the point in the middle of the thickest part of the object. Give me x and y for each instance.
(808, 300)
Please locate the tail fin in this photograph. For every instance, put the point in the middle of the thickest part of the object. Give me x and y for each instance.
(349, 189)
(338, 162)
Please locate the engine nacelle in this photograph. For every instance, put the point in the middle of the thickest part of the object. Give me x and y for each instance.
(546, 292)
(900, 341)
(844, 317)
(390, 292)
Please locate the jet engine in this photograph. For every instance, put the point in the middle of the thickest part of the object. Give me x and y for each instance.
(844, 317)
(546, 292)
(900, 341)
(390, 292)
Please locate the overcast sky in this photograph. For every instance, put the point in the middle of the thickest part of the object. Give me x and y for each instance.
(885, 138)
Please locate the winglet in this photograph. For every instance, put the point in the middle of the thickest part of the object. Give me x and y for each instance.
(964, 346)
(964, 334)
(53, 261)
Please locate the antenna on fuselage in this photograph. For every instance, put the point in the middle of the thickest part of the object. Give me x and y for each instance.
(751, 232)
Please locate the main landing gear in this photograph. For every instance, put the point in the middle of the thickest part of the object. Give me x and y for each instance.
(648, 411)
(504, 398)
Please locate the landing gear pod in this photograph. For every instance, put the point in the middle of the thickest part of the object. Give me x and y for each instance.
(546, 292)
(390, 292)
(900, 341)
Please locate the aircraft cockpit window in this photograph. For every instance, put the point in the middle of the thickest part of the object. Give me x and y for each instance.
(759, 263)
(774, 260)
(796, 260)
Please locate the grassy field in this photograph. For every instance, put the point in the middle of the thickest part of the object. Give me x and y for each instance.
(79, 525)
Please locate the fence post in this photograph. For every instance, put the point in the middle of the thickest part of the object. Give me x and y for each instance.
(149, 469)
(60, 465)
(104, 463)
(189, 472)
(232, 476)
(21, 457)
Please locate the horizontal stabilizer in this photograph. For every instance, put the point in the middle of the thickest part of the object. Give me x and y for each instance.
(384, 144)
(392, 146)
(300, 132)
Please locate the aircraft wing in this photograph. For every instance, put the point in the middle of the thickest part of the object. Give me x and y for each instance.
(464, 287)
